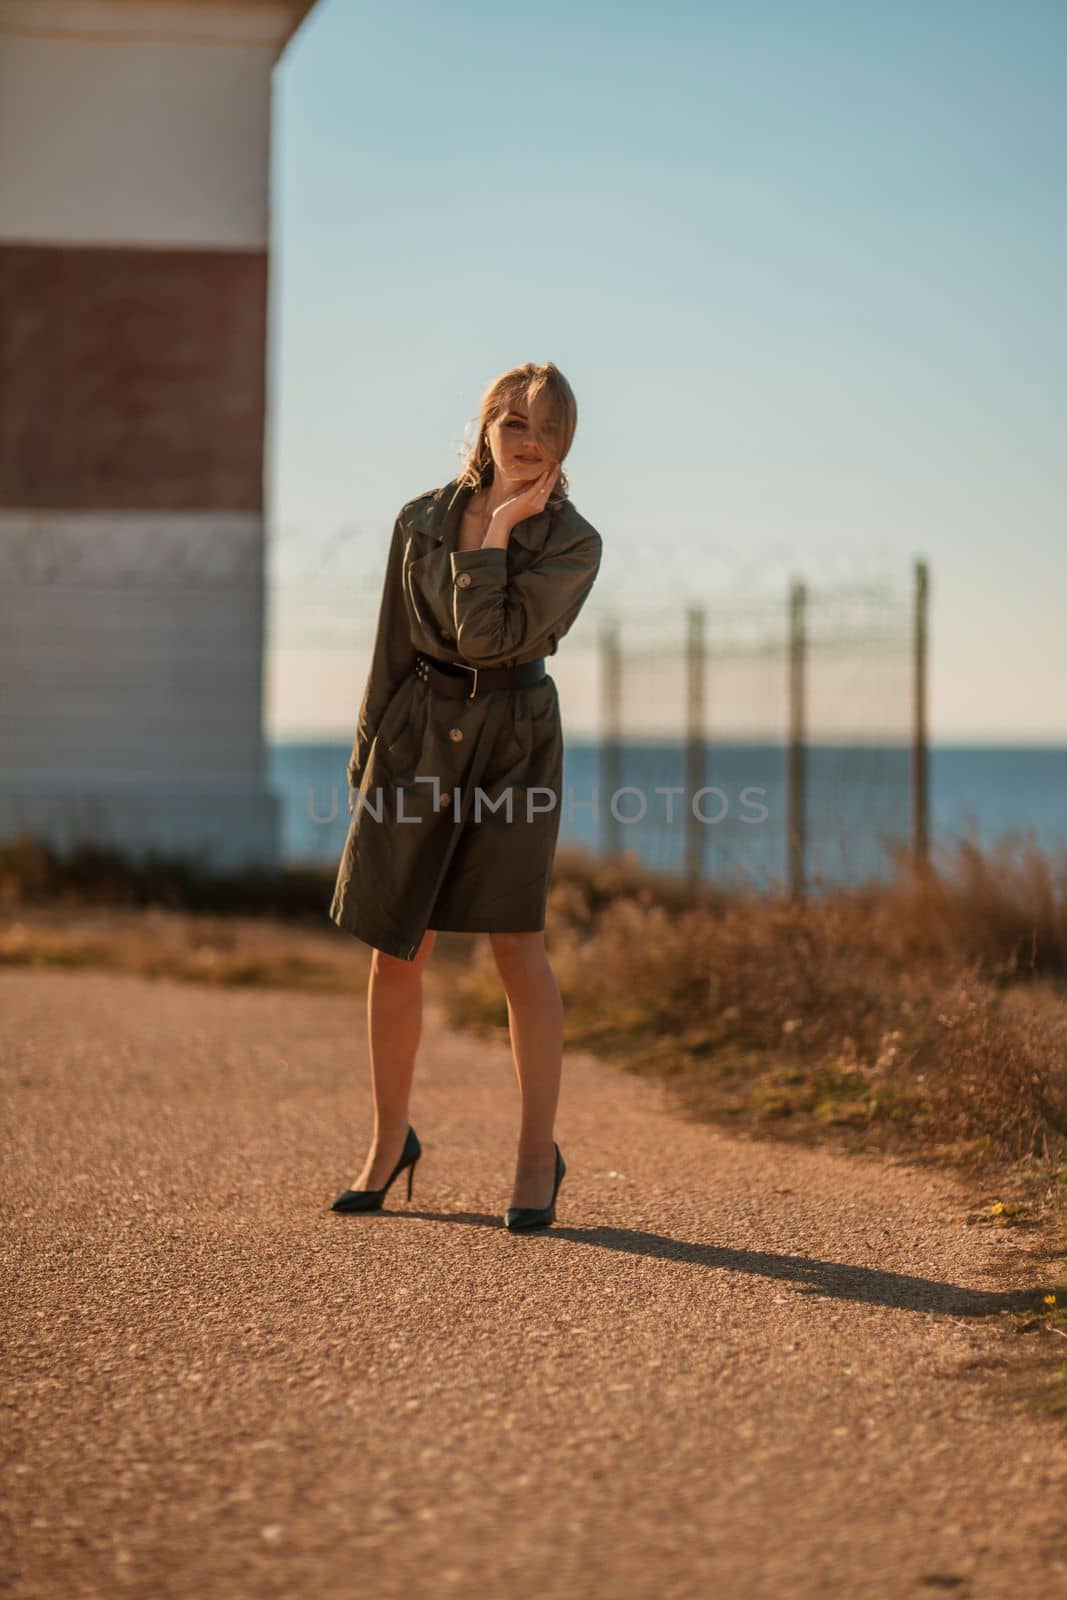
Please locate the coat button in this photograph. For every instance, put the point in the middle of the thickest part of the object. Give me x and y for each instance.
(455, 734)
(446, 637)
(446, 798)
(463, 580)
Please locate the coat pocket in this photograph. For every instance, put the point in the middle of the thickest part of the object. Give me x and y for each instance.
(544, 716)
(534, 725)
(400, 732)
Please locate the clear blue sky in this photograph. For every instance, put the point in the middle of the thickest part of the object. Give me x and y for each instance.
(804, 266)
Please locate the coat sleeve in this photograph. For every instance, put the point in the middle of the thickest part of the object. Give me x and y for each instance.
(393, 657)
(497, 617)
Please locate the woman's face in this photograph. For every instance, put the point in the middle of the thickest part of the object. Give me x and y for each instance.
(517, 457)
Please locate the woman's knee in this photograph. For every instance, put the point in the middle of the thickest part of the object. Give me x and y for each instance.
(396, 968)
(518, 949)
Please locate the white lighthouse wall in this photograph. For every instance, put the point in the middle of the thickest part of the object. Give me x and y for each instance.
(135, 645)
(131, 655)
(136, 123)
(131, 483)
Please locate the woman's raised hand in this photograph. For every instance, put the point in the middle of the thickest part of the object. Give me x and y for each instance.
(529, 501)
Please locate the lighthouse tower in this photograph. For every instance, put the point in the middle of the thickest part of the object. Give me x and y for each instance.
(134, 229)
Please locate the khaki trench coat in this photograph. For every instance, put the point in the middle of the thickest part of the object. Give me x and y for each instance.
(457, 813)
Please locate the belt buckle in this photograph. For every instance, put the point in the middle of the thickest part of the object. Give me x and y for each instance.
(474, 685)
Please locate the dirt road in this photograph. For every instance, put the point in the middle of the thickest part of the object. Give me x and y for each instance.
(731, 1369)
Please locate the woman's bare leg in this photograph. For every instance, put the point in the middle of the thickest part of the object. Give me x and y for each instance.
(535, 1022)
(394, 1027)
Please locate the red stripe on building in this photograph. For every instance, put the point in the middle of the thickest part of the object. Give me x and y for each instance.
(132, 378)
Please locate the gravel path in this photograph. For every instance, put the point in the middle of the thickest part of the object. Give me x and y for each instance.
(732, 1369)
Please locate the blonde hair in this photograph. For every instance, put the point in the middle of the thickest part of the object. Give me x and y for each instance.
(549, 402)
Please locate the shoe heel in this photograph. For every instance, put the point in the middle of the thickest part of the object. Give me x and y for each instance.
(371, 1199)
(524, 1218)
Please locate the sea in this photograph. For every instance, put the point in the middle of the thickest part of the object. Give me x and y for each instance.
(729, 820)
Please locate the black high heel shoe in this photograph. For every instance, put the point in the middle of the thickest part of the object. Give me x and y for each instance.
(519, 1218)
(371, 1199)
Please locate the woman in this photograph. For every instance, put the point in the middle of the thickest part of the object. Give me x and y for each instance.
(457, 765)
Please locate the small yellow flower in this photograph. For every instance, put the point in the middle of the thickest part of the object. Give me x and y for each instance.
(997, 1207)
(1048, 1300)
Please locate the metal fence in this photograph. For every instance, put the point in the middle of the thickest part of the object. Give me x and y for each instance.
(782, 743)
(774, 738)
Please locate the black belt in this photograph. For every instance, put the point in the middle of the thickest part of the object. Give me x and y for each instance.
(463, 682)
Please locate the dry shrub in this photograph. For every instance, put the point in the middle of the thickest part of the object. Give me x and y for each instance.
(1005, 906)
(892, 994)
(991, 1073)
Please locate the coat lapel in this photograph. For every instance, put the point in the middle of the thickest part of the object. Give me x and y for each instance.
(439, 517)
(533, 532)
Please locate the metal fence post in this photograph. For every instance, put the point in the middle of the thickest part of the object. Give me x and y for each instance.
(695, 742)
(920, 795)
(796, 810)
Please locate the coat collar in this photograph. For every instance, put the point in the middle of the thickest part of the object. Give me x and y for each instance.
(438, 514)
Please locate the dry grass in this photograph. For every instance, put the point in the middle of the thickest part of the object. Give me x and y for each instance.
(244, 952)
(33, 874)
(927, 1016)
